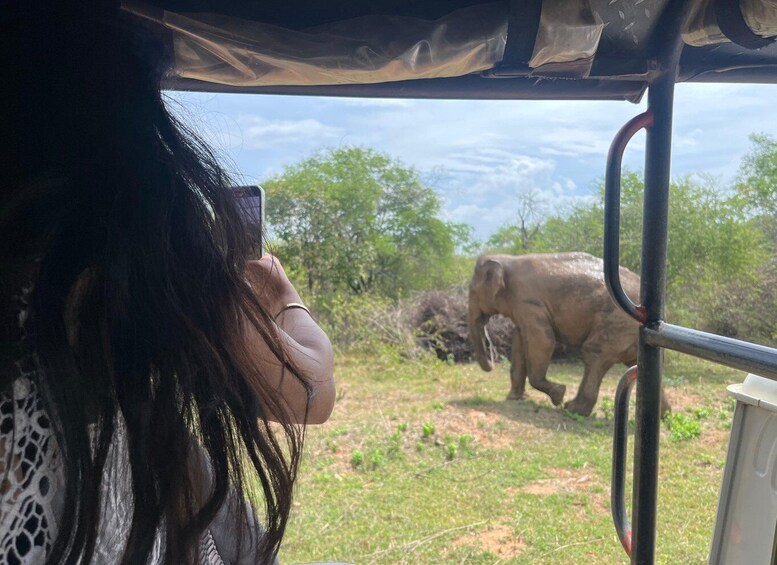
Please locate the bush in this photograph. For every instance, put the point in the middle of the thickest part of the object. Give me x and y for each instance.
(439, 318)
(681, 427)
(745, 309)
(366, 323)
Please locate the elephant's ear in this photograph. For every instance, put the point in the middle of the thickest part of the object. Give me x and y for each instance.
(492, 276)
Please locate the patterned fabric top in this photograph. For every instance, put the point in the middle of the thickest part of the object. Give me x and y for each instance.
(32, 477)
(32, 485)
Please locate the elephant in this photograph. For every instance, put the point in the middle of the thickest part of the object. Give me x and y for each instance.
(554, 297)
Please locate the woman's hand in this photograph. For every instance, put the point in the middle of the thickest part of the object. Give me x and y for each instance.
(305, 343)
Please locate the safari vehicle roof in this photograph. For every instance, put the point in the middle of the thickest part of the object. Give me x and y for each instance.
(530, 49)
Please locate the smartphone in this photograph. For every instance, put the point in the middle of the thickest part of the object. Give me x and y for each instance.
(250, 199)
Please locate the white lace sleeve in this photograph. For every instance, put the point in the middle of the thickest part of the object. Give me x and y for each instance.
(31, 477)
(31, 487)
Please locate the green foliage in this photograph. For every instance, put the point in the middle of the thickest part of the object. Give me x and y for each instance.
(607, 406)
(758, 176)
(352, 219)
(427, 430)
(681, 427)
(521, 236)
(710, 237)
(465, 444)
(366, 323)
(377, 458)
(357, 458)
(713, 240)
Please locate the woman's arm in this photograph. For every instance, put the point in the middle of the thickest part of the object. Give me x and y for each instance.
(306, 344)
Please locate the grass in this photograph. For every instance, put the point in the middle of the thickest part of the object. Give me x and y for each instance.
(425, 462)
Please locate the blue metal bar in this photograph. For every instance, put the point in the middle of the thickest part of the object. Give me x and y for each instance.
(653, 294)
(612, 213)
(666, 51)
(620, 440)
(734, 353)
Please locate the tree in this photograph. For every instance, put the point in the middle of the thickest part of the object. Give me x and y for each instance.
(354, 219)
(519, 238)
(757, 183)
(710, 237)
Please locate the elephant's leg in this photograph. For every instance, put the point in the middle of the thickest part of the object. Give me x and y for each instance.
(588, 392)
(517, 369)
(538, 345)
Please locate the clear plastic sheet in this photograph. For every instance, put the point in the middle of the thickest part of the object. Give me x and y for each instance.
(702, 29)
(364, 50)
(568, 32)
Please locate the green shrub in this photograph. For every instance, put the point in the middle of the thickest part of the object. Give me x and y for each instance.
(357, 458)
(681, 427)
(376, 458)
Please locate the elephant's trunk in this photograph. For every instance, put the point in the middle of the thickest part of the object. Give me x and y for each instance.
(484, 353)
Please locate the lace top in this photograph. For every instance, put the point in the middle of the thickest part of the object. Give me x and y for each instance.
(32, 485)
(32, 476)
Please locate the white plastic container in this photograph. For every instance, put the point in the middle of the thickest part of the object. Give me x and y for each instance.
(747, 509)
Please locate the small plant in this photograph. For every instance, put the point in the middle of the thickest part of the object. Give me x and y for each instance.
(376, 458)
(465, 444)
(476, 400)
(702, 413)
(357, 458)
(438, 405)
(572, 416)
(450, 451)
(427, 430)
(681, 427)
(395, 444)
(607, 406)
(402, 428)
(419, 446)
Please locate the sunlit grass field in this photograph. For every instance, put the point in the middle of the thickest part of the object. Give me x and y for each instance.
(425, 462)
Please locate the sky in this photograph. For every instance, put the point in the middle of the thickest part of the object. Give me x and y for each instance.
(481, 156)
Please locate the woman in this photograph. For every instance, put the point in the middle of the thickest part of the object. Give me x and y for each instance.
(142, 356)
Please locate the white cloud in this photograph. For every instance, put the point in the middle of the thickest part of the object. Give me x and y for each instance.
(480, 155)
(259, 133)
(377, 102)
(574, 142)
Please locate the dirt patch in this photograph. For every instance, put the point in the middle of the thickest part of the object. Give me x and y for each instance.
(561, 480)
(681, 398)
(487, 430)
(499, 541)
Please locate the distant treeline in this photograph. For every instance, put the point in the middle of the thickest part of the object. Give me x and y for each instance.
(355, 226)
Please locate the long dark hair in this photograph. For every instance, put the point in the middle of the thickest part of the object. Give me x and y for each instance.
(124, 225)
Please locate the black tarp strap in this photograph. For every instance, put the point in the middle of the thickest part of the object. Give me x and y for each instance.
(523, 23)
(733, 25)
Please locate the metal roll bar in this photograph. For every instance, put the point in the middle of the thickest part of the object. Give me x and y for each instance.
(612, 214)
(620, 439)
(655, 334)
